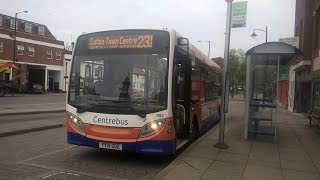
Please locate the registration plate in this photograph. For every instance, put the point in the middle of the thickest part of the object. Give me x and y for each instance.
(112, 146)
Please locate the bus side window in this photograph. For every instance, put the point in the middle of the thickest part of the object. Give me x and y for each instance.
(180, 81)
(203, 79)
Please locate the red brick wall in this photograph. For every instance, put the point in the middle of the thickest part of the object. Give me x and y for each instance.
(283, 89)
(40, 55)
(303, 26)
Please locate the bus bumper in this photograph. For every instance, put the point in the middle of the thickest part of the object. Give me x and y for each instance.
(146, 147)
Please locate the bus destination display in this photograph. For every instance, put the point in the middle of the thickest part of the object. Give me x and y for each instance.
(121, 41)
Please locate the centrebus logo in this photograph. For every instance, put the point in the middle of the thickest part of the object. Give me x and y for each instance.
(110, 121)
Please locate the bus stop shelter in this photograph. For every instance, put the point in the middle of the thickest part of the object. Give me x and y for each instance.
(264, 64)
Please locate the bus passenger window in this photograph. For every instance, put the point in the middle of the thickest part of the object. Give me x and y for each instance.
(180, 82)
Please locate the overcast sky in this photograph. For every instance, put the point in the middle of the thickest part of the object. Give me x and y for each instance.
(195, 19)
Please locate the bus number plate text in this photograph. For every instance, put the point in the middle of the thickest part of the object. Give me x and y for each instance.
(112, 146)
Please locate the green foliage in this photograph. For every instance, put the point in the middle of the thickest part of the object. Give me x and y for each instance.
(218, 60)
(237, 67)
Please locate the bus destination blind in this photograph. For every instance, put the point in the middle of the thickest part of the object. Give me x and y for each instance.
(121, 42)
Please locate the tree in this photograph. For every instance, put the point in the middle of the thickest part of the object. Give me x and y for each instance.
(218, 60)
(237, 68)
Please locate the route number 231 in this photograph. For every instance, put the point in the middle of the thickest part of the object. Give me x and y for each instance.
(145, 41)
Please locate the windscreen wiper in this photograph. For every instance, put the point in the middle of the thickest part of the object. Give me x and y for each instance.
(82, 109)
(143, 115)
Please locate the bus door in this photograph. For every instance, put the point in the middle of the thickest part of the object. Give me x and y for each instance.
(182, 93)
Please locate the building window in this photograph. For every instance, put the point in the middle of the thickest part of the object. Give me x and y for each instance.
(0, 20)
(20, 49)
(31, 51)
(28, 27)
(49, 54)
(58, 54)
(41, 30)
(12, 21)
(87, 71)
(1, 47)
(98, 72)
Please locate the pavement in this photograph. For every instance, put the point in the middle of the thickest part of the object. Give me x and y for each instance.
(32, 104)
(20, 105)
(294, 156)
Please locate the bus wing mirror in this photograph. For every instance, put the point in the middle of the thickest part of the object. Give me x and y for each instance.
(193, 61)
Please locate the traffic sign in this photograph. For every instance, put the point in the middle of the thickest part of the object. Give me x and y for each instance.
(239, 14)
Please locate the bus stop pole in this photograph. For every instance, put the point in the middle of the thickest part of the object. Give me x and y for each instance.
(225, 80)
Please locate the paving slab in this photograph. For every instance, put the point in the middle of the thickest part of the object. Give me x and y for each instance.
(298, 175)
(232, 157)
(239, 147)
(306, 166)
(199, 164)
(224, 170)
(294, 154)
(253, 172)
(183, 171)
(259, 163)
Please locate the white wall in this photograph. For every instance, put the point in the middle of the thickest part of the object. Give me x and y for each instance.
(57, 73)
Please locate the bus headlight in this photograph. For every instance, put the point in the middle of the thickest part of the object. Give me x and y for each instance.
(152, 127)
(76, 121)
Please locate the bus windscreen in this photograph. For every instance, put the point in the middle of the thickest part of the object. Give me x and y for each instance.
(120, 72)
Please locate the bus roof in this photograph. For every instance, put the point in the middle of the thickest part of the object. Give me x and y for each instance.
(199, 55)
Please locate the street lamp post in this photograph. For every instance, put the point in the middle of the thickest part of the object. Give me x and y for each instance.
(15, 34)
(65, 77)
(209, 47)
(253, 35)
(66, 74)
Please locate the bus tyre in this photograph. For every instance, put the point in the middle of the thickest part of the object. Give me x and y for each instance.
(195, 129)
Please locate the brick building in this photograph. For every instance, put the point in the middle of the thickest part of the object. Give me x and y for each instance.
(39, 55)
(307, 68)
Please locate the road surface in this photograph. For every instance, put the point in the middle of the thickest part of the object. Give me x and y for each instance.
(46, 155)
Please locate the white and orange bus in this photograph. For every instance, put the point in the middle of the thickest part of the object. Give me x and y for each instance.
(144, 91)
